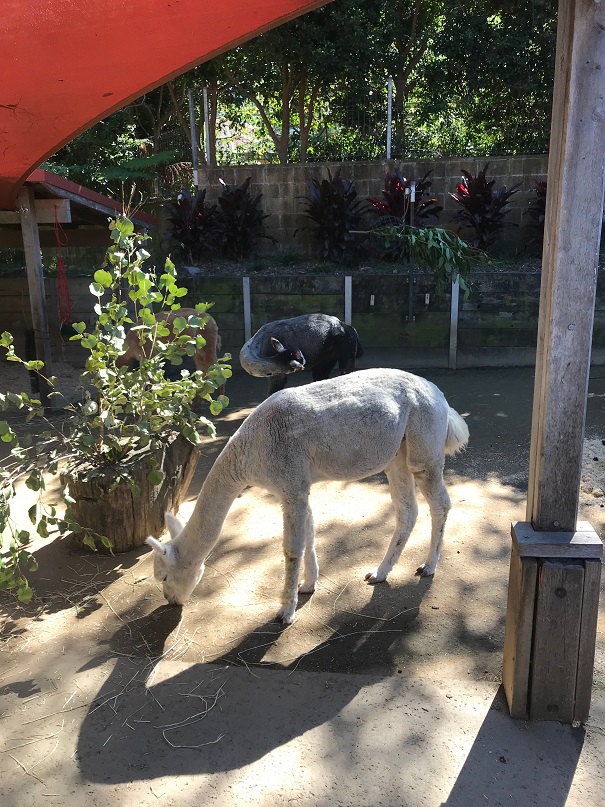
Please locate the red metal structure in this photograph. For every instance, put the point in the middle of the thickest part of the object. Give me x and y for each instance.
(67, 65)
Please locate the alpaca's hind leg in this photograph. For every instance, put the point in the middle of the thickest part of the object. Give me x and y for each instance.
(433, 488)
(401, 485)
(296, 512)
(311, 566)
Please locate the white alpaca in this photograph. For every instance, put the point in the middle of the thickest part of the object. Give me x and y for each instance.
(344, 428)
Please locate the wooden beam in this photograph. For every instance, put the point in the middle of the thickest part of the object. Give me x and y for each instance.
(80, 237)
(574, 214)
(35, 280)
(46, 210)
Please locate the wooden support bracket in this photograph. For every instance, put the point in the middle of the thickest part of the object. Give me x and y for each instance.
(551, 622)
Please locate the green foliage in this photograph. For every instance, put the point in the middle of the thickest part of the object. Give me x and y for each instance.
(483, 207)
(434, 250)
(110, 155)
(488, 82)
(123, 413)
(333, 205)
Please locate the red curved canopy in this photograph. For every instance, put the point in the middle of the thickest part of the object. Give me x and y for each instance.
(67, 64)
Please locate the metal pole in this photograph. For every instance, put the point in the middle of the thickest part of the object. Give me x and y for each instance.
(389, 115)
(411, 317)
(454, 325)
(206, 127)
(247, 308)
(193, 141)
(348, 299)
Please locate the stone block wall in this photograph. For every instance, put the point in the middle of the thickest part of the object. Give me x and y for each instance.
(285, 186)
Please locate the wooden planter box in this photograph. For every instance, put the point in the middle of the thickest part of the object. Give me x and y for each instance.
(123, 516)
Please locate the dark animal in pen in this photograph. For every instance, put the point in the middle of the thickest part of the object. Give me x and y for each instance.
(203, 359)
(315, 342)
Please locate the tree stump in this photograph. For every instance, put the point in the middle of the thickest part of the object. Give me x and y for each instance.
(123, 516)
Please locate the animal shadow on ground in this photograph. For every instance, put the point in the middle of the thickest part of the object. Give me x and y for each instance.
(364, 642)
(139, 717)
(261, 705)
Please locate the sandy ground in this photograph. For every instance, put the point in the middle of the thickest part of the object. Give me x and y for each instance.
(305, 713)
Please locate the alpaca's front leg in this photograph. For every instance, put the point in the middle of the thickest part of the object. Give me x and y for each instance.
(295, 526)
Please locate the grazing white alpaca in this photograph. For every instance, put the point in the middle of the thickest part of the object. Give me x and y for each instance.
(344, 428)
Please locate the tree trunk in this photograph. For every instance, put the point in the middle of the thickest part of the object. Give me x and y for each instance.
(123, 516)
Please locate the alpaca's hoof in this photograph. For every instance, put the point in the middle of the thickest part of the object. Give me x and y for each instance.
(425, 571)
(306, 588)
(375, 577)
(287, 616)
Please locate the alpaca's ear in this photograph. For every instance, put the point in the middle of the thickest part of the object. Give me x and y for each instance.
(174, 525)
(277, 345)
(156, 545)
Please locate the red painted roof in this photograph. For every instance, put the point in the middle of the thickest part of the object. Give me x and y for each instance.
(67, 64)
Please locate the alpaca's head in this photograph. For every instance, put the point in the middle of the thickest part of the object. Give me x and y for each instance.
(290, 361)
(177, 576)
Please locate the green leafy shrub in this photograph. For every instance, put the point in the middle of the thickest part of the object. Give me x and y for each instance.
(434, 250)
(333, 205)
(123, 413)
(483, 207)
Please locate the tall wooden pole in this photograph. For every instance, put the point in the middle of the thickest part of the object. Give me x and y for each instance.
(555, 571)
(35, 282)
(574, 213)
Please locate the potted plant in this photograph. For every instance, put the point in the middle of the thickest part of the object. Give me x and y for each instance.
(126, 451)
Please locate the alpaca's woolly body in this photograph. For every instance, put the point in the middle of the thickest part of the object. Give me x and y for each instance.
(345, 428)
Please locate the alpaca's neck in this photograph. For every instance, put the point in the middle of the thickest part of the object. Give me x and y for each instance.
(203, 529)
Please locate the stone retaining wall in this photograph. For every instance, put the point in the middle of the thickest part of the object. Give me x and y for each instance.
(497, 324)
(284, 186)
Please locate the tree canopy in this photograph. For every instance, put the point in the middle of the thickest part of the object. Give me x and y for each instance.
(469, 78)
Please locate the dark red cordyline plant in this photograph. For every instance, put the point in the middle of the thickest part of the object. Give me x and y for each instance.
(483, 207)
(396, 201)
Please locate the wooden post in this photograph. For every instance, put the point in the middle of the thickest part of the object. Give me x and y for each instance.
(551, 622)
(35, 282)
(572, 231)
(553, 589)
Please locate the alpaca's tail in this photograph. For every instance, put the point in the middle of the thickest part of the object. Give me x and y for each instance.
(457, 432)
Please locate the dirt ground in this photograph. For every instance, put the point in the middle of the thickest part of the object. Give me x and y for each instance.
(448, 630)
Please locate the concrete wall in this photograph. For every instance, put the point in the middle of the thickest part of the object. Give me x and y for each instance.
(283, 186)
(497, 324)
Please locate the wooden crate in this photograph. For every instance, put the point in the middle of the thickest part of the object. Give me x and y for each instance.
(551, 622)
